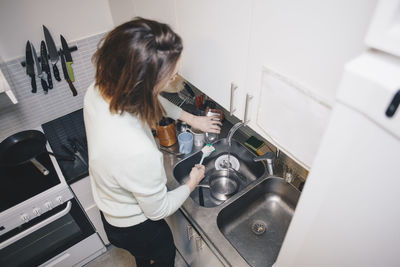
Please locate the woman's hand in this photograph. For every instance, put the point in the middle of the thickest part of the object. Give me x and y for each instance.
(195, 176)
(202, 123)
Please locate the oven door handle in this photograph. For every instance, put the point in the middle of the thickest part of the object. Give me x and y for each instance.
(37, 226)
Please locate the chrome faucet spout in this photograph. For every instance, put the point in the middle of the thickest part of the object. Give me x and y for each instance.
(233, 130)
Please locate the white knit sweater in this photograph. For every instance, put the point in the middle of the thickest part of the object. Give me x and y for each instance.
(126, 168)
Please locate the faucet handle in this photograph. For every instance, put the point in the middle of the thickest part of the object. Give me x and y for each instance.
(269, 158)
(288, 177)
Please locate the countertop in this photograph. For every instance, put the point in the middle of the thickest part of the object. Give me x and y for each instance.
(205, 219)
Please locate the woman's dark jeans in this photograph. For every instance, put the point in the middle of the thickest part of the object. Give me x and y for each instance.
(150, 242)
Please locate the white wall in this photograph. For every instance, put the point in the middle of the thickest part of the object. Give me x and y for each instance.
(22, 20)
(163, 11)
(121, 10)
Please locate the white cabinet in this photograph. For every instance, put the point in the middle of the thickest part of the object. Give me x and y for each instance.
(83, 191)
(296, 55)
(305, 43)
(384, 32)
(189, 243)
(215, 37)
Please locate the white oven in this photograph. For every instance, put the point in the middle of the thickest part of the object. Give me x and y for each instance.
(41, 222)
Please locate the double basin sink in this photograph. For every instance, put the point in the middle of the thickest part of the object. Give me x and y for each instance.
(254, 220)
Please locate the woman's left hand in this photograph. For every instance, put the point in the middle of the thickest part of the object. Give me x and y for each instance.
(206, 124)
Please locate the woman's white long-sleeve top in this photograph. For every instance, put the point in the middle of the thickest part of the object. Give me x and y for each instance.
(126, 168)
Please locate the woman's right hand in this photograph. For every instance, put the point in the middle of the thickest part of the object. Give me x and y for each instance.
(195, 176)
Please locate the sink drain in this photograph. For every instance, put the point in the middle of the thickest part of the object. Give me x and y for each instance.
(221, 161)
(258, 227)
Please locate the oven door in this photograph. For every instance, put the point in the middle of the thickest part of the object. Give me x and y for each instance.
(42, 239)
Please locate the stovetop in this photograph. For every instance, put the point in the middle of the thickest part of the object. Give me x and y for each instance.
(62, 133)
(25, 181)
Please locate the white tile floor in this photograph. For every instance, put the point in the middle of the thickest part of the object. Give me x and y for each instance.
(116, 257)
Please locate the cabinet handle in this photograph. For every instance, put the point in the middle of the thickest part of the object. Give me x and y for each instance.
(199, 243)
(189, 232)
(248, 98)
(231, 108)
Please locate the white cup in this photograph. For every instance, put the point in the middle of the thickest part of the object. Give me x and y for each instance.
(198, 137)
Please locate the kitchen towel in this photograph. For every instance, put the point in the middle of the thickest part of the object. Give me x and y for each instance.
(5, 88)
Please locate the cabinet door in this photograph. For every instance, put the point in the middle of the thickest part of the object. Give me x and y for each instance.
(83, 191)
(383, 33)
(189, 243)
(204, 256)
(215, 37)
(184, 236)
(295, 65)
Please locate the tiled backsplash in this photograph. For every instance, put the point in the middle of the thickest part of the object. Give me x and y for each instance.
(33, 110)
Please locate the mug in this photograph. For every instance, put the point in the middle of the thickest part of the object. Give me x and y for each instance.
(185, 141)
(166, 132)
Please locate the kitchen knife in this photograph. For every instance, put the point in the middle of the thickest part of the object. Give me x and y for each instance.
(68, 58)
(51, 46)
(66, 75)
(45, 63)
(30, 68)
(42, 75)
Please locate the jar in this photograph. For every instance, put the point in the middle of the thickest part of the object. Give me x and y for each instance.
(211, 137)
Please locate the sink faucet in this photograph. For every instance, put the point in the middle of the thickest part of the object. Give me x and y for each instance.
(269, 158)
(233, 130)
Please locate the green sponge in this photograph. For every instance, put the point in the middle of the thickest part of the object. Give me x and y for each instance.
(256, 145)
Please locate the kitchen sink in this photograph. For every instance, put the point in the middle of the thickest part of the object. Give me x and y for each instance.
(241, 159)
(256, 222)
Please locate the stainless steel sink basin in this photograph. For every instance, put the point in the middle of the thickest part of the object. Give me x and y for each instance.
(256, 222)
(247, 168)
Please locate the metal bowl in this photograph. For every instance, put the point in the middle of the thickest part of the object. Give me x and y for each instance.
(222, 184)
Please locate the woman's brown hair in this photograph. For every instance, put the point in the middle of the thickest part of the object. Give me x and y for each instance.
(134, 63)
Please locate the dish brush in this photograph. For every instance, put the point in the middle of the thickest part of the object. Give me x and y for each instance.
(207, 150)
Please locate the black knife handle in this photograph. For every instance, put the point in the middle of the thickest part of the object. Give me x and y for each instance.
(72, 87)
(189, 89)
(49, 80)
(33, 84)
(56, 72)
(44, 86)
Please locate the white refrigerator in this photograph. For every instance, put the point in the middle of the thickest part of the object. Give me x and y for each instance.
(349, 211)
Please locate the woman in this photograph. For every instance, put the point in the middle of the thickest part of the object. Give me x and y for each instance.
(134, 63)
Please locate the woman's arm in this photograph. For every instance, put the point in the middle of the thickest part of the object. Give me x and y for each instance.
(195, 176)
(203, 123)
